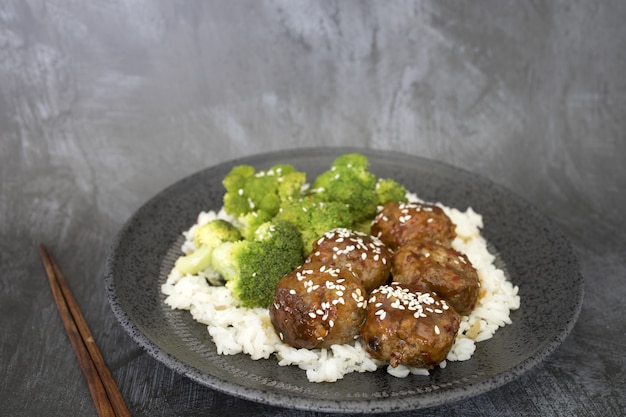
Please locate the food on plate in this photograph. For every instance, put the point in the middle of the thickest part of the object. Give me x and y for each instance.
(317, 306)
(398, 223)
(409, 327)
(299, 270)
(206, 238)
(429, 266)
(349, 181)
(255, 245)
(361, 253)
(313, 218)
(264, 191)
(251, 267)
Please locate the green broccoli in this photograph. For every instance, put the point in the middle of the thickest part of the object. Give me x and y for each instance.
(348, 181)
(390, 190)
(313, 218)
(253, 267)
(234, 201)
(249, 223)
(206, 238)
(248, 191)
(277, 220)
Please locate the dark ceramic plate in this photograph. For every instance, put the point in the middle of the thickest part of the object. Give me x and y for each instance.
(536, 257)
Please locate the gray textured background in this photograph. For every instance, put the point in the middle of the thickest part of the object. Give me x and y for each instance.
(104, 103)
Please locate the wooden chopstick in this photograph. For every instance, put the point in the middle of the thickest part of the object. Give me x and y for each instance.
(104, 391)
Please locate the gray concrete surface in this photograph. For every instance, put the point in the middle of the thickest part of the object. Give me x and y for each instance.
(103, 104)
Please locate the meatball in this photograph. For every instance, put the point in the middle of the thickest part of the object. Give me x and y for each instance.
(398, 223)
(318, 305)
(365, 255)
(433, 267)
(405, 326)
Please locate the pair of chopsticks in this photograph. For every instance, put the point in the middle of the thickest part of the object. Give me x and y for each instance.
(106, 396)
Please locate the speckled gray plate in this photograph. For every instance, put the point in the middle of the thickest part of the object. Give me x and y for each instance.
(535, 256)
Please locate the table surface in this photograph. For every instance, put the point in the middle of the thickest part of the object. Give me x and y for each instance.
(104, 104)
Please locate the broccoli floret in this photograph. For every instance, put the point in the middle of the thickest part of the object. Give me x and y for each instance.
(348, 181)
(253, 267)
(313, 218)
(248, 223)
(248, 190)
(290, 186)
(234, 201)
(206, 238)
(352, 160)
(215, 232)
(390, 190)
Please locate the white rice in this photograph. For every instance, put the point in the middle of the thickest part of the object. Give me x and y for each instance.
(237, 330)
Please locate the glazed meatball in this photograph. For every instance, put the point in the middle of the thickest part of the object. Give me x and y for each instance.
(405, 326)
(398, 223)
(433, 267)
(365, 255)
(318, 305)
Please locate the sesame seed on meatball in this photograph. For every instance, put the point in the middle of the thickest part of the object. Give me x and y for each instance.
(404, 326)
(433, 267)
(398, 223)
(317, 306)
(365, 255)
